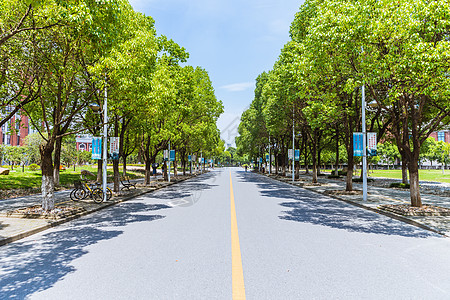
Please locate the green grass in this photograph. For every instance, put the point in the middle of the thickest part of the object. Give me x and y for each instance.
(424, 175)
(32, 179)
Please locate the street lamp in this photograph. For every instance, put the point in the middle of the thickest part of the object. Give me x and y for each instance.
(97, 109)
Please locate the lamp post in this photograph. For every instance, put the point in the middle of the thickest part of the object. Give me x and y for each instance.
(96, 108)
(293, 147)
(364, 168)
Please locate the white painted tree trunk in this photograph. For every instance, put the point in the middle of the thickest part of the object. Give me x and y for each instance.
(48, 197)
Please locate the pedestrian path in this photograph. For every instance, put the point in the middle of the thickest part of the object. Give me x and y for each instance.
(378, 196)
(15, 228)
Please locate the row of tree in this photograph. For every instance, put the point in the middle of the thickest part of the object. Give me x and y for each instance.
(399, 51)
(58, 57)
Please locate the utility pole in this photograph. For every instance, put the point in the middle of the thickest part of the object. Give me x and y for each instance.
(105, 141)
(168, 173)
(293, 146)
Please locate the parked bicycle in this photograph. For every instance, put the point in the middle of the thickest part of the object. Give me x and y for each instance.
(83, 190)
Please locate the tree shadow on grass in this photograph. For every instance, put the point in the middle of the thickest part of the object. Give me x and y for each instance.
(34, 265)
(313, 208)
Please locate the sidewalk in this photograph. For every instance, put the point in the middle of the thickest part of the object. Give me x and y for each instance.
(15, 228)
(376, 198)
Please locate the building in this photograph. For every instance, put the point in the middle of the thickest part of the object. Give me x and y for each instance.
(443, 135)
(14, 131)
(84, 142)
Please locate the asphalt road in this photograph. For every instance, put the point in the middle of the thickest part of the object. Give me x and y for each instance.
(180, 243)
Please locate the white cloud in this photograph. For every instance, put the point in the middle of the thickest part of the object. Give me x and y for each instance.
(238, 87)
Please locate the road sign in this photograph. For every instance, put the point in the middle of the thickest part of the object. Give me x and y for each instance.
(114, 147)
(97, 148)
(297, 155)
(172, 155)
(357, 144)
(372, 143)
(291, 154)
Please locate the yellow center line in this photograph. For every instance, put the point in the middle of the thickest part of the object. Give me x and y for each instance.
(236, 261)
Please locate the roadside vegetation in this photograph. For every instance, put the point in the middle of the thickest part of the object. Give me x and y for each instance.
(59, 57)
(396, 54)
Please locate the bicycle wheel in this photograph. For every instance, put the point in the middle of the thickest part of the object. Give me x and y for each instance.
(80, 194)
(73, 196)
(108, 193)
(97, 195)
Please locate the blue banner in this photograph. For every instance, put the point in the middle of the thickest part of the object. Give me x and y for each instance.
(297, 155)
(357, 144)
(97, 148)
(172, 155)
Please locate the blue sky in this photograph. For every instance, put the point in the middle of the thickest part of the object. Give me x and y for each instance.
(233, 40)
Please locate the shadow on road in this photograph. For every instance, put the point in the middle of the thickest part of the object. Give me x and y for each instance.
(309, 207)
(35, 265)
(187, 193)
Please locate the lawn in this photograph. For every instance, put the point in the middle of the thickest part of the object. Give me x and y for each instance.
(424, 175)
(32, 179)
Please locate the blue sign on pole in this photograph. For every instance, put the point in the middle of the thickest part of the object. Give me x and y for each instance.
(189, 158)
(97, 148)
(203, 160)
(260, 160)
(172, 155)
(297, 155)
(267, 157)
(357, 144)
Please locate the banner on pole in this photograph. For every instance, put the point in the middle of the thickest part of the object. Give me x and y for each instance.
(267, 157)
(97, 148)
(114, 148)
(291, 154)
(172, 155)
(189, 158)
(357, 144)
(372, 143)
(297, 155)
(166, 155)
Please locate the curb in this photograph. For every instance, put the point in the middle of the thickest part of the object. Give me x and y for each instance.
(376, 210)
(103, 205)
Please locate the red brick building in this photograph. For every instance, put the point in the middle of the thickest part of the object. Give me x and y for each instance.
(14, 131)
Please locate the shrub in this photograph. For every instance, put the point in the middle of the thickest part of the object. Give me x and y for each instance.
(33, 167)
(399, 185)
(360, 179)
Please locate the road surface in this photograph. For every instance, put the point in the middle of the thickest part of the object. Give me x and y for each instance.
(229, 234)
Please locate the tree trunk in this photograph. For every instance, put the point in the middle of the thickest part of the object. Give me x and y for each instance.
(57, 161)
(175, 171)
(414, 188)
(116, 175)
(336, 170)
(48, 184)
(148, 172)
(314, 157)
(349, 178)
(166, 177)
(99, 170)
(404, 169)
(124, 166)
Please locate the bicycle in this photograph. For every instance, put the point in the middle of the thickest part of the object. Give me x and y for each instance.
(83, 190)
